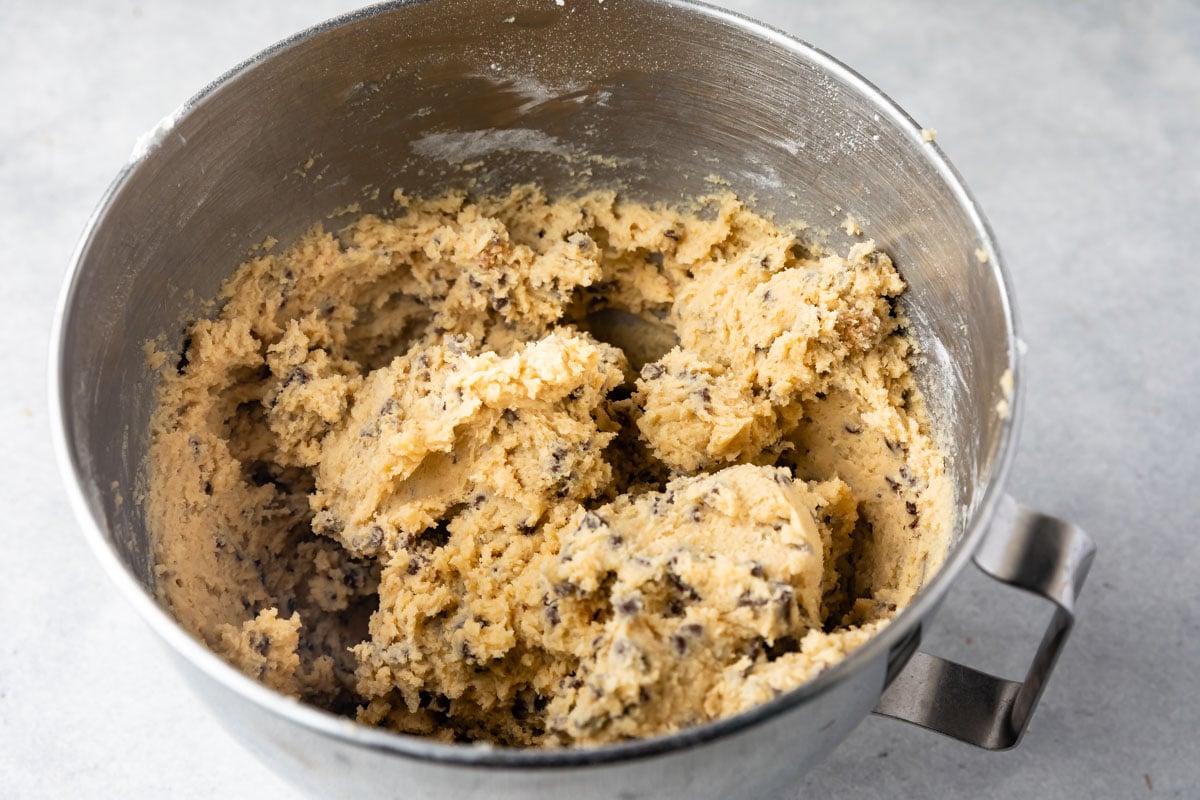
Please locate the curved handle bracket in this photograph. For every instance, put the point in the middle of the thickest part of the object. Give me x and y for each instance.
(1035, 552)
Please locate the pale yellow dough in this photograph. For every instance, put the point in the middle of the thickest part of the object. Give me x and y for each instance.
(395, 475)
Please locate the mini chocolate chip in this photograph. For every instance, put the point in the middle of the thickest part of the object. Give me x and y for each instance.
(685, 589)
(510, 416)
(552, 615)
(692, 629)
(749, 600)
(652, 371)
(591, 520)
(388, 407)
(704, 396)
(499, 303)
(261, 642)
(675, 608)
(910, 507)
(679, 643)
(374, 537)
(695, 513)
(297, 375)
(566, 589)
(616, 540)
(757, 570)
(519, 710)
(853, 429)
(628, 606)
(820, 395)
(671, 234)
(181, 365)
(895, 486)
(208, 487)
(782, 478)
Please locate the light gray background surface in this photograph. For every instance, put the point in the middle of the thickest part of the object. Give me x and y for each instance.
(1076, 125)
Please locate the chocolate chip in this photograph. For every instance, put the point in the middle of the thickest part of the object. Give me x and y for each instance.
(552, 615)
(757, 570)
(591, 520)
(653, 371)
(695, 513)
(671, 234)
(374, 538)
(183, 362)
(499, 303)
(782, 478)
(895, 485)
(510, 416)
(852, 429)
(628, 606)
(616, 540)
(748, 600)
(679, 643)
(820, 395)
(910, 507)
(704, 396)
(260, 642)
(687, 591)
(566, 589)
(519, 709)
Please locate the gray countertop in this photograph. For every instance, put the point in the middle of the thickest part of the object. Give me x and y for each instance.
(1076, 126)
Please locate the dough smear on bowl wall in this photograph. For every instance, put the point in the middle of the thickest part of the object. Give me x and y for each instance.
(397, 476)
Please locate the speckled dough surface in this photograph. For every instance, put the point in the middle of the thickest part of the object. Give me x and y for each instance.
(396, 475)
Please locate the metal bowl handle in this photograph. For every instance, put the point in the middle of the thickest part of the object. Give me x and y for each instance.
(1041, 554)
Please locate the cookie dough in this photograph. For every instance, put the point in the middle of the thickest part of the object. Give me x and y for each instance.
(397, 474)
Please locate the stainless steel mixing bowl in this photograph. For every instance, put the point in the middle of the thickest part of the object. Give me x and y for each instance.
(652, 96)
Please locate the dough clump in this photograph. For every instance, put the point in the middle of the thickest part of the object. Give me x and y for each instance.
(400, 474)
